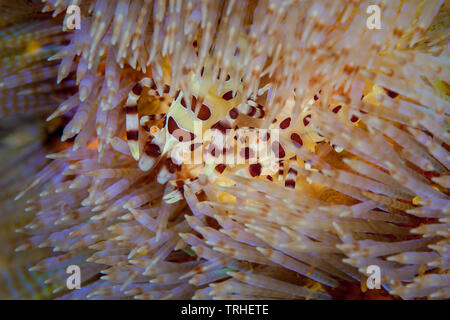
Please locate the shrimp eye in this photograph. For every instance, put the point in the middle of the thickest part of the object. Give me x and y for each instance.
(154, 129)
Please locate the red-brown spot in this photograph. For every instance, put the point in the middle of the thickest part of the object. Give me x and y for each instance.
(261, 111)
(297, 139)
(252, 111)
(228, 95)
(285, 123)
(131, 110)
(354, 118)
(220, 168)
(214, 150)
(183, 103)
(255, 169)
(247, 153)
(306, 120)
(204, 113)
(290, 183)
(278, 150)
(132, 135)
(391, 93)
(337, 108)
(218, 75)
(228, 151)
(194, 146)
(193, 103)
(234, 113)
(179, 134)
(265, 137)
(222, 126)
